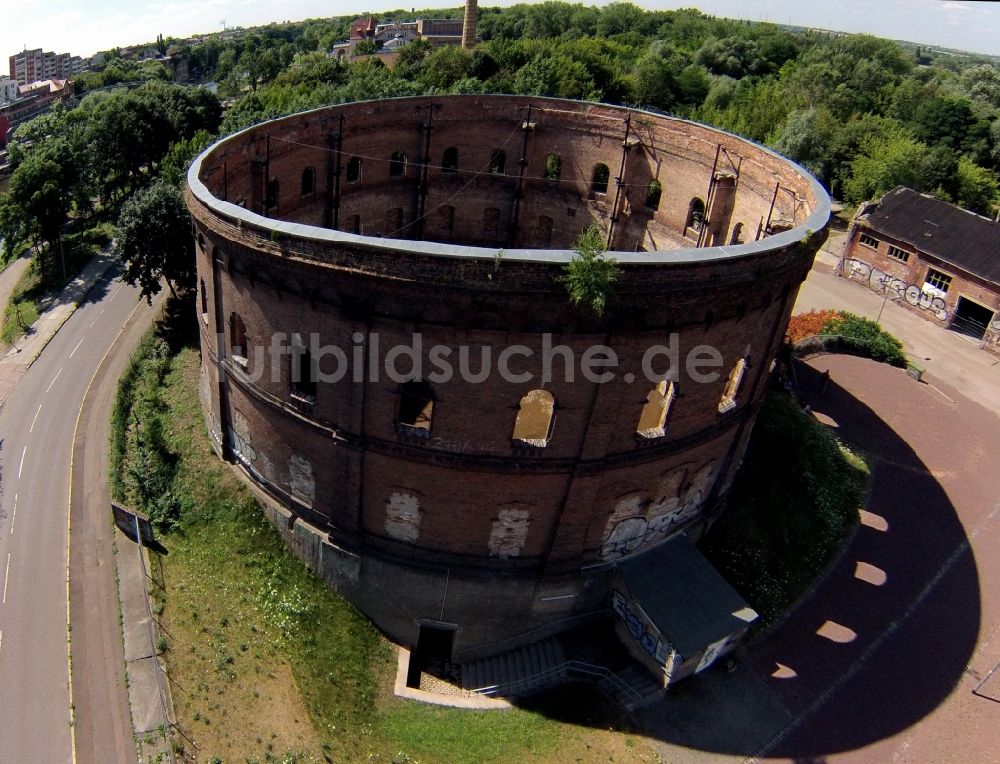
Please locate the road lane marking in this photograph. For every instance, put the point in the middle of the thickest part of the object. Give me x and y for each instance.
(5, 577)
(76, 348)
(32, 428)
(21, 467)
(92, 323)
(54, 379)
(13, 515)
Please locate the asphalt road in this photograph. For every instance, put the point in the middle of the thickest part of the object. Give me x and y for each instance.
(37, 425)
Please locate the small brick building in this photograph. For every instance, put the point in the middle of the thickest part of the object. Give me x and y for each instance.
(933, 257)
(491, 509)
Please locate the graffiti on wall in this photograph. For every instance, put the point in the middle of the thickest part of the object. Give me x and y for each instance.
(639, 521)
(301, 480)
(402, 517)
(897, 289)
(509, 533)
(713, 651)
(240, 439)
(636, 626)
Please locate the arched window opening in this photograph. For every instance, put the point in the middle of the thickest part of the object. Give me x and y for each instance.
(416, 408)
(491, 222)
(204, 301)
(737, 235)
(397, 164)
(533, 426)
(201, 242)
(304, 372)
(498, 161)
(599, 180)
(653, 419)
(728, 400)
(653, 193)
(354, 170)
(696, 214)
(237, 338)
(543, 233)
(553, 167)
(355, 224)
(271, 195)
(445, 221)
(450, 161)
(308, 181)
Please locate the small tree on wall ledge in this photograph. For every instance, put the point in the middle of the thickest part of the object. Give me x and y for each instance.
(591, 275)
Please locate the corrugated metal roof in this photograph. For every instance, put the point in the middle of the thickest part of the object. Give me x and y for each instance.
(962, 238)
(684, 596)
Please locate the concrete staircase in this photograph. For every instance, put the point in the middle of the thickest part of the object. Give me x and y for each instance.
(518, 672)
(632, 687)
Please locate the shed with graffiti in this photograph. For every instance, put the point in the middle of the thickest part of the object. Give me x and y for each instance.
(937, 259)
(675, 613)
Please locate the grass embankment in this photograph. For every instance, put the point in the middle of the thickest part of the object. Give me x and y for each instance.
(266, 663)
(791, 508)
(22, 309)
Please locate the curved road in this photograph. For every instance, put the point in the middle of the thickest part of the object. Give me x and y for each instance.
(37, 424)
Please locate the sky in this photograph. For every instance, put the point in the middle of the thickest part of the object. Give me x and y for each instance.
(83, 27)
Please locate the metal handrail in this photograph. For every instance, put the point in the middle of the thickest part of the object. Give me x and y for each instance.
(563, 668)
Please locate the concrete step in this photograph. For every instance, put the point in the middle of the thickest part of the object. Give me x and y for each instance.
(515, 670)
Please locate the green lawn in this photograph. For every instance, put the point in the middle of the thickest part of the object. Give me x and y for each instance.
(793, 504)
(266, 663)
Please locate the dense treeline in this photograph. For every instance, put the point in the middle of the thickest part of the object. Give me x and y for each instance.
(862, 113)
(76, 166)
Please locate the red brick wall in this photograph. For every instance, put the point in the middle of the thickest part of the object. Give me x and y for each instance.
(680, 155)
(882, 273)
(464, 497)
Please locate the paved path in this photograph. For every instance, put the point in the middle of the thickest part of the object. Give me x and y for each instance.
(103, 705)
(949, 357)
(879, 664)
(37, 424)
(16, 361)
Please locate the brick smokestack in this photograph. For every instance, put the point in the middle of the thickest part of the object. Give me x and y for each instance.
(469, 25)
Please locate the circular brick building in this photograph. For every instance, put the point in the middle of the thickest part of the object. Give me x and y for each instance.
(347, 255)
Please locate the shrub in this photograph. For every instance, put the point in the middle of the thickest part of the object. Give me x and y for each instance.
(591, 275)
(804, 325)
(875, 342)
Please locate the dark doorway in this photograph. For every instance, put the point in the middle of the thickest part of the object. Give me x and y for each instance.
(971, 318)
(433, 653)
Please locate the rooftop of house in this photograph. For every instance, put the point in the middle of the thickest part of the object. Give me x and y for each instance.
(686, 598)
(51, 86)
(943, 230)
(363, 28)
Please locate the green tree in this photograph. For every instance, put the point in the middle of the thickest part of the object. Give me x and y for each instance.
(445, 66)
(154, 240)
(883, 165)
(655, 82)
(806, 138)
(978, 189)
(36, 208)
(556, 75)
(591, 275)
(175, 163)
